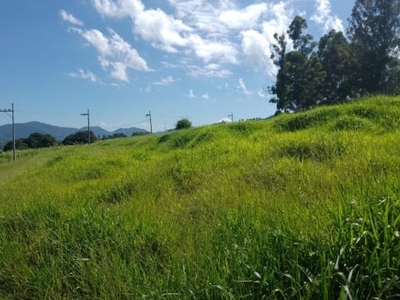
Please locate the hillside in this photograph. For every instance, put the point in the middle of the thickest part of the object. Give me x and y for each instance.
(300, 206)
(23, 130)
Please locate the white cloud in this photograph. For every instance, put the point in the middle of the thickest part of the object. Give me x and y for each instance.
(262, 94)
(243, 87)
(165, 81)
(209, 50)
(191, 94)
(110, 8)
(210, 37)
(119, 71)
(257, 49)
(84, 75)
(162, 30)
(257, 45)
(323, 16)
(245, 18)
(70, 18)
(173, 35)
(205, 96)
(225, 120)
(114, 52)
(210, 70)
(202, 15)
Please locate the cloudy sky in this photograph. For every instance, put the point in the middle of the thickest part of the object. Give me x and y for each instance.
(196, 59)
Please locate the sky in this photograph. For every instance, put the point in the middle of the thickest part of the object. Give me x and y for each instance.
(204, 60)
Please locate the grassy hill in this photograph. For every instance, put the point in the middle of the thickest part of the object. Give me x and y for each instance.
(301, 206)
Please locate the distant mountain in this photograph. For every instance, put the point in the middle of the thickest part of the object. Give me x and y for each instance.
(23, 130)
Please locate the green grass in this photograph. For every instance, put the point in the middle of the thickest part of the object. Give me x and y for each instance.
(301, 206)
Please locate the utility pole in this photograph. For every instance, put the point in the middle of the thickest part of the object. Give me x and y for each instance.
(151, 125)
(13, 127)
(88, 123)
(231, 116)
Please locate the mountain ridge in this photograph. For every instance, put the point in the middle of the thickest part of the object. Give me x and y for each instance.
(23, 130)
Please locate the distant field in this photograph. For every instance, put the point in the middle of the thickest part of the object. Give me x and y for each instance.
(301, 206)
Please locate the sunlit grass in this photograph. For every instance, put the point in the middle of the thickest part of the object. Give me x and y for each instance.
(302, 206)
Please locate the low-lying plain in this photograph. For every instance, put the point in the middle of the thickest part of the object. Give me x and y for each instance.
(299, 206)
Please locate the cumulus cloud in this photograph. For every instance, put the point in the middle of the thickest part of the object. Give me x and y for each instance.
(257, 44)
(171, 34)
(114, 53)
(257, 49)
(210, 37)
(84, 75)
(70, 18)
(203, 15)
(209, 50)
(245, 18)
(323, 16)
(205, 96)
(162, 30)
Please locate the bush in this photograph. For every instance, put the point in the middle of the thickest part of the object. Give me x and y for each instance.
(183, 124)
(80, 137)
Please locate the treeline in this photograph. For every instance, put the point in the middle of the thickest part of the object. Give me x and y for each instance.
(38, 140)
(34, 141)
(340, 66)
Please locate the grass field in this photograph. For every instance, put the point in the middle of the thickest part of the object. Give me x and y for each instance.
(301, 206)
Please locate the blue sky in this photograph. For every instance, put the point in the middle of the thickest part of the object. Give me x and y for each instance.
(195, 59)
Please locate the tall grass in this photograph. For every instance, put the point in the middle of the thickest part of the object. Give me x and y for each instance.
(281, 209)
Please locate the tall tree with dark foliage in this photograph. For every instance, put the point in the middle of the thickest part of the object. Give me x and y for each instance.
(375, 35)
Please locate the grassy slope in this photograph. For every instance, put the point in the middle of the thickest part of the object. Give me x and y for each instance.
(299, 206)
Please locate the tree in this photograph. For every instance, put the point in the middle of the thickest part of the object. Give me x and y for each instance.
(20, 144)
(280, 89)
(80, 137)
(374, 32)
(301, 74)
(183, 124)
(335, 54)
(34, 141)
(38, 140)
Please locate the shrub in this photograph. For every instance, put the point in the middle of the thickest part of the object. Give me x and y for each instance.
(183, 124)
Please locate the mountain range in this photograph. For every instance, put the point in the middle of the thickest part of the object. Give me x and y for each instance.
(23, 130)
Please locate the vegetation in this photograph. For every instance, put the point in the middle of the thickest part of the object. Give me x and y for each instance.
(80, 137)
(339, 69)
(300, 206)
(34, 141)
(114, 136)
(183, 124)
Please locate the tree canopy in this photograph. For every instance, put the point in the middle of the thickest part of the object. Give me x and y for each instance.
(374, 32)
(183, 124)
(34, 141)
(338, 67)
(80, 137)
(301, 73)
